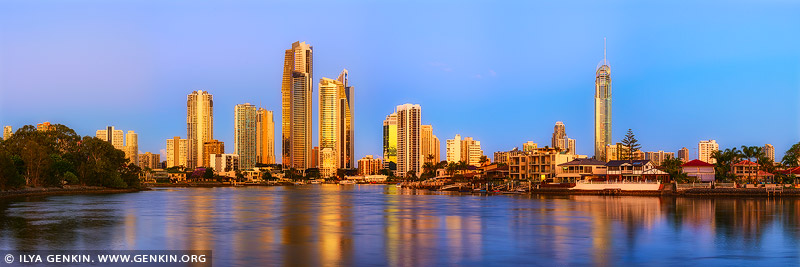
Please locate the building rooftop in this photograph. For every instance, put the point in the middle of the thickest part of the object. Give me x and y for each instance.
(697, 163)
(585, 161)
(746, 163)
(617, 163)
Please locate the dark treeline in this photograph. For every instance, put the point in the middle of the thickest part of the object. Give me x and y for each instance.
(59, 156)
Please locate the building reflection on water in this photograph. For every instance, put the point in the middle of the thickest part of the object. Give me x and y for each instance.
(375, 225)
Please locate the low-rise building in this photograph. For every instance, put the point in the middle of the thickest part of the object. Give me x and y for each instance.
(369, 165)
(634, 171)
(581, 169)
(539, 164)
(701, 170)
(748, 171)
(224, 162)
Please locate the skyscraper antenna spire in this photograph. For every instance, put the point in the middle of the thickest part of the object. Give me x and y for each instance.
(604, 49)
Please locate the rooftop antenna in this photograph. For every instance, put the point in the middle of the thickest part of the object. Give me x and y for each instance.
(604, 51)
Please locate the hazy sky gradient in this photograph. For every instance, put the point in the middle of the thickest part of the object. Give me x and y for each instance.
(501, 72)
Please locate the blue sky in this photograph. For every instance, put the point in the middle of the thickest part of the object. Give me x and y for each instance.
(501, 72)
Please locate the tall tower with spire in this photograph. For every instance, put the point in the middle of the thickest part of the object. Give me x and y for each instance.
(602, 107)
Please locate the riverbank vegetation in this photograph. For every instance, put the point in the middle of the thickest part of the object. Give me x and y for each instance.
(59, 156)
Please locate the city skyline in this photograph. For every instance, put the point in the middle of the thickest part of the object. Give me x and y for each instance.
(704, 75)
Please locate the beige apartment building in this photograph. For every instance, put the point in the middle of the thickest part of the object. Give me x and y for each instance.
(296, 98)
(177, 152)
(200, 125)
(265, 137)
(244, 137)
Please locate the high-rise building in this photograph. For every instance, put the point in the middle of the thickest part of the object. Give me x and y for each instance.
(265, 137)
(471, 151)
(132, 147)
(111, 135)
(347, 132)
(704, 150)
(683, 154)
(369, 165)
(177, 152)
(44, 126)
(7, 132)
(150, 160)
(769, 152)
(390, 140)
(571, 146)
(336, 121)
(409, 149)
(244, 138)
(296, 88)
(453, 149)
(559, 139)
(329, 127)
(466, 149)
(529, 146)
(658, 157)
(430, 145)
(212, 146)
(199, 125)
(315, 157)
(602, 108)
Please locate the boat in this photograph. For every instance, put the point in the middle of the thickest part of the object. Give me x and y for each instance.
(316, 182)
(347, 182)
(399, 185)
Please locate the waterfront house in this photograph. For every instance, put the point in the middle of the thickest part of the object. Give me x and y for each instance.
(748, 171)
(699, 169)
(634, 171)
(581, 169)
(539, 164)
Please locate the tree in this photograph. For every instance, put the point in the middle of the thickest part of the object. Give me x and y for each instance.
(631, 145)
(209, 174)
(428, 170)
(267, 176)
(484, 160)
(792, 156)
(672, 166)
(10, 177)
(130, 175)
(412, 175)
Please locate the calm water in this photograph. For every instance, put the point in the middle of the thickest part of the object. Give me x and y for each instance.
(383, 225)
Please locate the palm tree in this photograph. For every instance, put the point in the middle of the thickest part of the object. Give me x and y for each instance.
(428, 169)
(451, 168)
(429, 158)
(462, 165)
(484, 160)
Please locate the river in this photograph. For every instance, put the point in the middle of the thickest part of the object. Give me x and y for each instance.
(334, 225)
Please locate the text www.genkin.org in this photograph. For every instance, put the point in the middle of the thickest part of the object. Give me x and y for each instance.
(109, 257)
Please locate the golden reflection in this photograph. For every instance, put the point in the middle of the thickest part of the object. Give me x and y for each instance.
(335, 226)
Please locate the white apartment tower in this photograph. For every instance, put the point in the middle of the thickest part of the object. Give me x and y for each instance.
(409, 149)
(113, 136)
(453, 147)
(704, 150)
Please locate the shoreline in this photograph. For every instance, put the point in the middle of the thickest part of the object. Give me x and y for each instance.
(56, 191)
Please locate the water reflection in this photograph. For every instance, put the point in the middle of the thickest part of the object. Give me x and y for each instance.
(333, 225)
